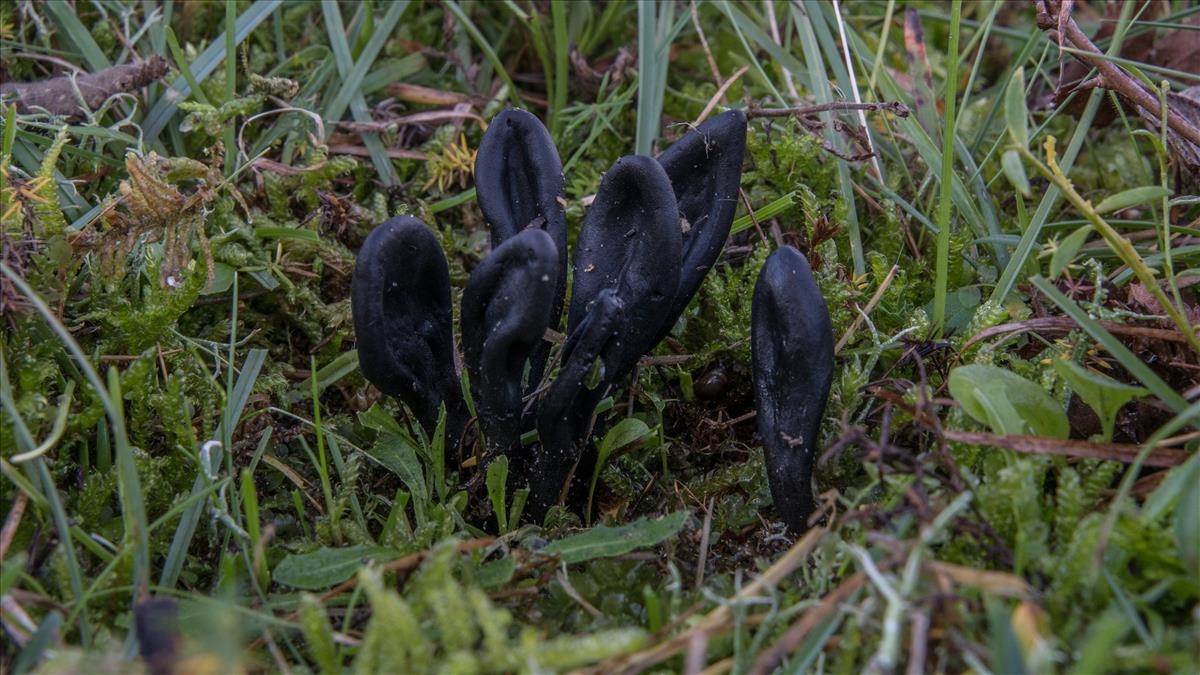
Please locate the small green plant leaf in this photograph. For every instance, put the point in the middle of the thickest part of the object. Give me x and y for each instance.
(222, 279)
(496, 573)
(1014, 171)
(1067, 249)
(1132, 197)
(378, 419)
(1007, 402)
(1015, 112)
(325, 566)
(628, 430)
(1103, 394)
(605, 542)
(43, 639)
(497, 482)
(398, 455)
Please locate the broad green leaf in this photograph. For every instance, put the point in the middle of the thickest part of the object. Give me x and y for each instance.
(326, 567)
(496, 573)
(628, 430)
(222, 279)
(605, 542)
(1067, 248)
(378, 419)
(1015, 112)
(1103, 394)
(398, 455)
(1132, 197)
(497, 482)
(1014, 171)
(1007, 402)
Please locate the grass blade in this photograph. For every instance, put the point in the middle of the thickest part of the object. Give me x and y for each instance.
(235, 404)
(486, 47)
(156, 120)
(1112, 345)
(358, 105)
(945, 201)
(351, 87)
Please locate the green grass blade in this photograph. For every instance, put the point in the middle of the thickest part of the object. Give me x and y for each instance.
(558, 13)
(58, 514)
(1112, 345)
(352, 82)
(235, 405)
(358, 105)
(156, 120)
(129, 488)
(64, 15)
(1031, 235)
(486, 47)
(945, 201)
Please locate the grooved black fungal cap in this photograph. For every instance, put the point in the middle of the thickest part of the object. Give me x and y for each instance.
(400, 300)
(519, 184)
(629, 243)
(705, 168)
(791, 343)
(506, 308)
(565, 409)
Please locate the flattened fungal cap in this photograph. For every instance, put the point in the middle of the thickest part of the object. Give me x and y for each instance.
(629, 243)
(791, 344)
(519, 184)
(400, 300)
(506, 308)
(705, 168)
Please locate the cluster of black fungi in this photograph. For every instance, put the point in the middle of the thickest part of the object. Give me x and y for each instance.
(654, 230)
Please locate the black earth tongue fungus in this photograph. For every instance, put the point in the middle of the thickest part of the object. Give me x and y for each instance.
(400, 299)
(628, 247)
(565, 410)
(630, 243)
(506, 308)
(519, 185)
(705, 168)
(791, 344)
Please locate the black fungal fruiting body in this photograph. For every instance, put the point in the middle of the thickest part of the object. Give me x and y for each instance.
(506, 307)
(654, 230)
(400, 297)
(705, 170)
(519, 185)
(791, 344)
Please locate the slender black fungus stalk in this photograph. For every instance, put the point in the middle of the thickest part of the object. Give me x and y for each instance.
(565, 410)
(519, 185)
(506, 308)
(400, 299)
(156, 624)
(705, 168)
(629, 243)
(791, 342)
